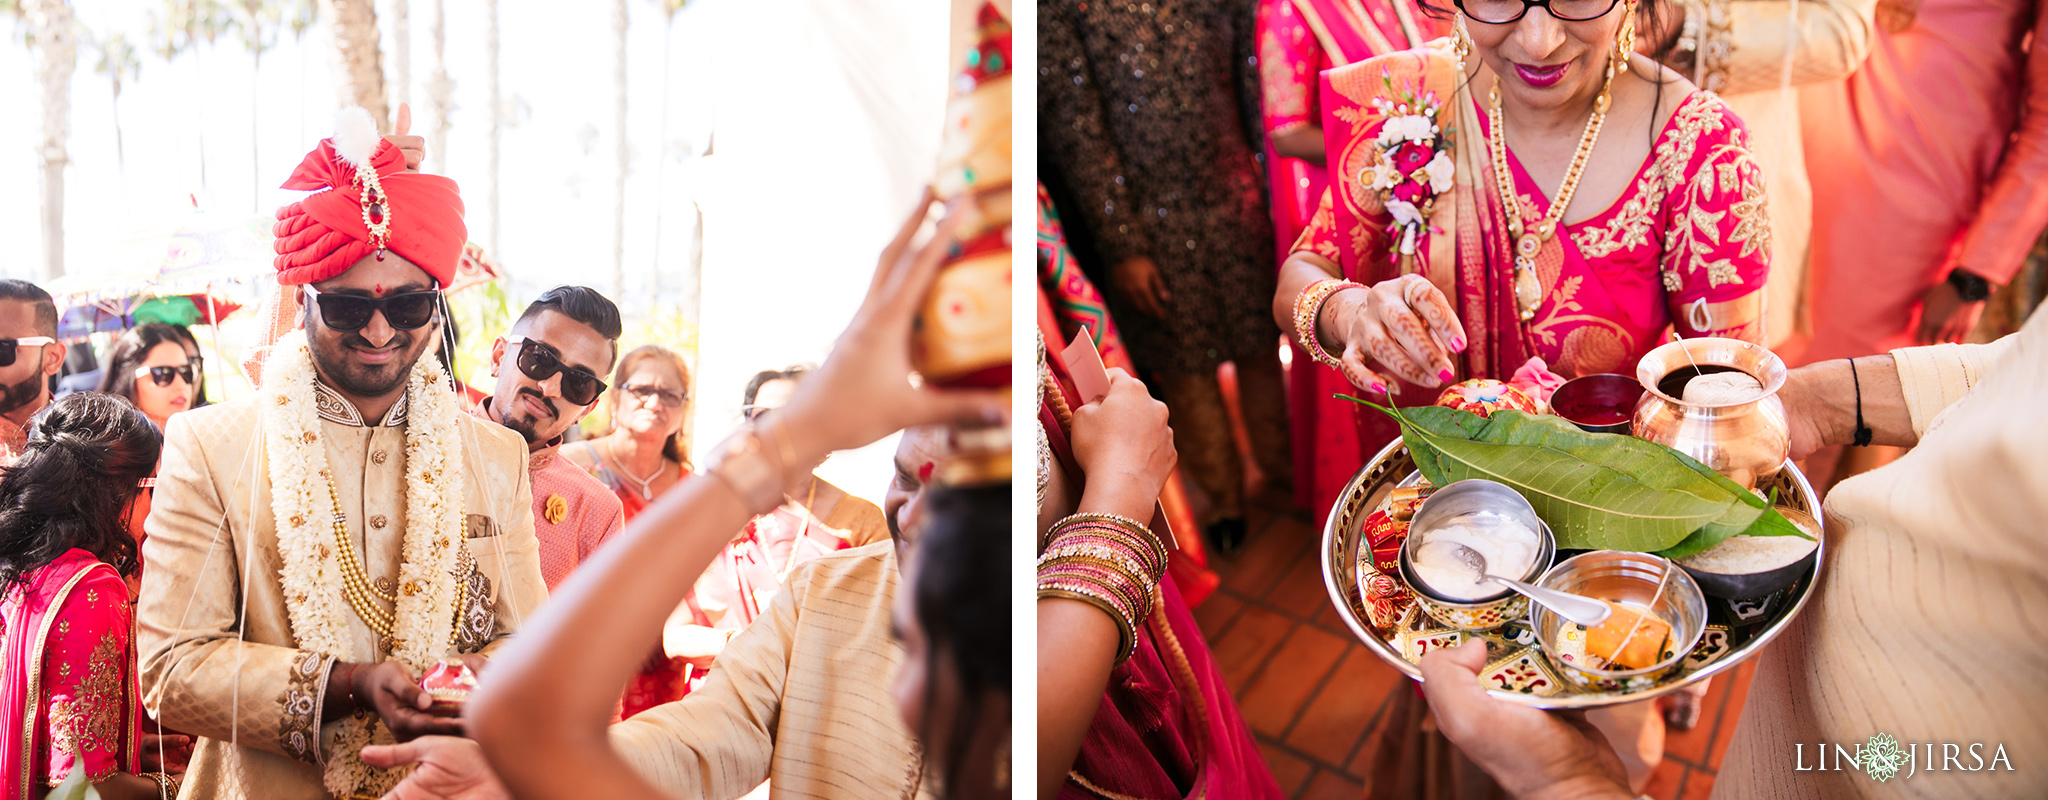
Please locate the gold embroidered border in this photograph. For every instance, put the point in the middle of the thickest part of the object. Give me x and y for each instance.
(305, 690)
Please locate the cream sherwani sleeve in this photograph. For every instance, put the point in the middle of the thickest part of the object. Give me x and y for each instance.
(198, 674)
(1930, 620)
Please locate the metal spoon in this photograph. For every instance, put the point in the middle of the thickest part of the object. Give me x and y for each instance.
(1581, 609)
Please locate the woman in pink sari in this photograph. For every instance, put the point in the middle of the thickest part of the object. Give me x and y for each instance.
(67, 660)
(1298, 40)
(1415, 272)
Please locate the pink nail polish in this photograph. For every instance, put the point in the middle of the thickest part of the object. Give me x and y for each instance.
(1379, 387)
(1445, 376)
(1458, 344)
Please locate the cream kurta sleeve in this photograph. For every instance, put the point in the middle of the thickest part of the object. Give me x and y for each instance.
(198, 674)
(514, 557)
(1936, 376)
(718, 742)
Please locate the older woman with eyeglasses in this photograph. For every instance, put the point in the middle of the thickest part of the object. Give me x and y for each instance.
(153, 367)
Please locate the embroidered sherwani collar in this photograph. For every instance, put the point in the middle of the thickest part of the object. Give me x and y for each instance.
(337, 409)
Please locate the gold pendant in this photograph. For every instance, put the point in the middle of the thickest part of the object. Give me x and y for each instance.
(1528, 291)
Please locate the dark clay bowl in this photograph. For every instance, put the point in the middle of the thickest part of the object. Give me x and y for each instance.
(1750, 586)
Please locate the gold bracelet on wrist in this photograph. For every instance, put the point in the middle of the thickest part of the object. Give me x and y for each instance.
(1137, 530)
(1308, 306)
(742, 463)
(1127, 634)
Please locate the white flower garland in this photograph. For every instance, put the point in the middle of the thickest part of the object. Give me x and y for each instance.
(311, 571)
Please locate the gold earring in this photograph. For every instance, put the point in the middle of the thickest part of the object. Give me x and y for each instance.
(1461, 40)
(1624, 42)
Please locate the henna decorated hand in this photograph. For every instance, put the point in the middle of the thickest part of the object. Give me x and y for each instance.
(1403, 325)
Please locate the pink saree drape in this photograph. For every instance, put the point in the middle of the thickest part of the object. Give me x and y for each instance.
(1167, 726)
(67, 676)
(1298, 40)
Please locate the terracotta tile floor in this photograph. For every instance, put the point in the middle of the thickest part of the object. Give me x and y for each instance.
(1313, 695)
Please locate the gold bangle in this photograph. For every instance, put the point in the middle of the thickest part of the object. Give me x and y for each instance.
(1308, 306)
(1127, 634)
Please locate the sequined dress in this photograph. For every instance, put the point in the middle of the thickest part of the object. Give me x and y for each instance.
(1149, 114)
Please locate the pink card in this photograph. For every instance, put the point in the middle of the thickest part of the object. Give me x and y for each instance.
(1091, 379)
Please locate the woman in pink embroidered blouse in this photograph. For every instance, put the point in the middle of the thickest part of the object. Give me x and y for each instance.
(1298, 39)
(1666, 225)
(67, 662)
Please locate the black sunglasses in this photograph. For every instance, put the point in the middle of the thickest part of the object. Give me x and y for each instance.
(404, 311)
(541, 362)
(162, 375)
(1502, 12)
(10, 347)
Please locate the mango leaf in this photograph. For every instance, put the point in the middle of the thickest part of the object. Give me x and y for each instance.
(1597, 491)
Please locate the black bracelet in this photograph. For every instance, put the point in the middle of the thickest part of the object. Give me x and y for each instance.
(1863, 432)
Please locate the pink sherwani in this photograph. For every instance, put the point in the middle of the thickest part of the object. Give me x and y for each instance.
(1934, 155)
(572, 512)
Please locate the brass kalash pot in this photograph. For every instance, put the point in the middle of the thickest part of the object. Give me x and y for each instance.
(1746, 441)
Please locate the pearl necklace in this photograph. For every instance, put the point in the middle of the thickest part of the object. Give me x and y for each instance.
(1528, 242)
(362, 594)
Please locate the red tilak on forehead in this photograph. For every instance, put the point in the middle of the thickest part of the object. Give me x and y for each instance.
(924, 473)
(380, 290)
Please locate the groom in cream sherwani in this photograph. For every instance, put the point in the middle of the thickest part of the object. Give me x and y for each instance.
(318, 544)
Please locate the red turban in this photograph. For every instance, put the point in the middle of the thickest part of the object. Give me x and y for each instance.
(322, 235)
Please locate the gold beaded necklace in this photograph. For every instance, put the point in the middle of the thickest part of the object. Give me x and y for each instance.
(1527, 241)
(363, 595)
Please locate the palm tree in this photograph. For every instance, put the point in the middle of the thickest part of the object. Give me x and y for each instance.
(440, 96)
(361, 70)
(184, 25)
(118, 63)
(53, 34)
(668, 36)
(497, 116)
(257, 22)
(401, 51)
(619, 27)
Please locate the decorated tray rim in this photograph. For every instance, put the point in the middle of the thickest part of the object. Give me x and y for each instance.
(1340, 580)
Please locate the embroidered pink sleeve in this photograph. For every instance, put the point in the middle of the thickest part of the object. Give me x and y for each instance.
(1288, 57)
(1717, 235)
(86, 681)
(1320, 237)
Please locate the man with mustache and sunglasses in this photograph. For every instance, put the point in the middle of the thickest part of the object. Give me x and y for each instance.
(317, 545)
(547, 368)
(29, 355)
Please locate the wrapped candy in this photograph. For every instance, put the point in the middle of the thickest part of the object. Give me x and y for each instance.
(1483, 396)
(448, 683)
(1383, 536)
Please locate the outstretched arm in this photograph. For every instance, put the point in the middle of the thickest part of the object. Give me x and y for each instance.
(541, 713)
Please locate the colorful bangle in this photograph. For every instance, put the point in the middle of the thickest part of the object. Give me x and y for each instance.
(1308, 306)
(1127, 633)
(1146, 565)
(1092, 520)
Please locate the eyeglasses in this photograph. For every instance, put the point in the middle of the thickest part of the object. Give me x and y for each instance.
(646, 392)
(348, 313)
(163, 375)
(9, 347)
(1502, 12)
(541, 362)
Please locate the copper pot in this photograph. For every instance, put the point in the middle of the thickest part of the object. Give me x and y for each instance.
(1746, 441)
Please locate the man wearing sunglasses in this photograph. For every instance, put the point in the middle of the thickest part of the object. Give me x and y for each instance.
(29, 355)
(314, 542)
(548, 369)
